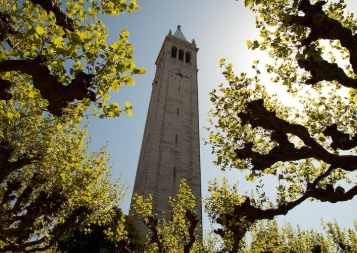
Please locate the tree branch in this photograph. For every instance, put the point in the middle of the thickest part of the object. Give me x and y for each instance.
(7, 167)
(258, 115)
(340, 140)
(236, 225)
(5, 86)
(50, 88)
(251, 213)
(325, 71)
(152, 225)
(192, 218)
(324, 27)
(23, 247)
(11, 188)
(123, 246)
(73, 220)
(22, 200)
(61, 18)
(6, 28)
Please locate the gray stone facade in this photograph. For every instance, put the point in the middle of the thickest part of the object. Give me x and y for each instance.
(170, 148)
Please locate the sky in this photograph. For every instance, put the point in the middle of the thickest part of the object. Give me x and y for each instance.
(220, 30)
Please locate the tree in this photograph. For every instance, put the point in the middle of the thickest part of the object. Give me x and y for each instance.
(266, 236)
(99, 239)
(310, 149)
(49, 182)
(256, 237)
(175, 234)
(44, 51)
(55, 64)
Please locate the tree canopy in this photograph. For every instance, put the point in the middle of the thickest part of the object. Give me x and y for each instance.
(57, 53)
(310, 146)
(267, 236)
(98, 238)
(174, 232)
(178, 234)
(55, 65)
(49, 182)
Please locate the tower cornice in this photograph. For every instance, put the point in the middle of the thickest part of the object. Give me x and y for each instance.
(178, 42)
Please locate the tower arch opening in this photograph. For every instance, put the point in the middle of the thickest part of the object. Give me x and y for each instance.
(181, 54)
(174, 52)
(188, 57)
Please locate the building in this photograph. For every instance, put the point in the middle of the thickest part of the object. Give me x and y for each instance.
(170, 148)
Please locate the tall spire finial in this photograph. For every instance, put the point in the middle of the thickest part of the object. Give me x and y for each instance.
(178, 33)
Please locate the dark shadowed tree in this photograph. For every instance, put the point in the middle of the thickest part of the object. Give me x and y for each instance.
(94, 237)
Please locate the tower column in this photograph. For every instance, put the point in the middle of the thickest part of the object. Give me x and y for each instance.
(170, 148)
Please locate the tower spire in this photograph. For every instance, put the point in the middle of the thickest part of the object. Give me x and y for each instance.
(179, 34)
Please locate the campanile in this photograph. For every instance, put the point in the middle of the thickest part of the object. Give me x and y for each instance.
(170, 148)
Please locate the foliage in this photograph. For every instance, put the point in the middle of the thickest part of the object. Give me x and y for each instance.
(261, 236)
(220, 208)
(45, 51)
(55, 64)
(311, 148)
(97, 239)
(175, 234)
(49, 182)
(266, 236)
(343, 240)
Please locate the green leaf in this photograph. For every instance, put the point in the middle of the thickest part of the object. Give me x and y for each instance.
(116, 85)
(142, 71)
(10, 115)
(40, 30)
(32, 94)
(59, 42)
(125, 33)
(249, 43)
(129, 112)
(221, 62)
(248, 3)
(322, 137)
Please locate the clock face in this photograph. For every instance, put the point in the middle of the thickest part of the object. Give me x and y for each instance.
(181, 74)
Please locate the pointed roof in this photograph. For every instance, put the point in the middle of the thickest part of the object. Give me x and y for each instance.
(179, 34)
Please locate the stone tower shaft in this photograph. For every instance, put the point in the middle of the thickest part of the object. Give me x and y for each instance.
(170, 148)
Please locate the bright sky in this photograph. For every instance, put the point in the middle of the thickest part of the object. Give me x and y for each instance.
(220, 29)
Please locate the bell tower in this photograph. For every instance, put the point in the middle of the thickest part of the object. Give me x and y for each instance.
(170, 148)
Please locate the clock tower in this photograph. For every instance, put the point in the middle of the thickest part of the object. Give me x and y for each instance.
(170, 148)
